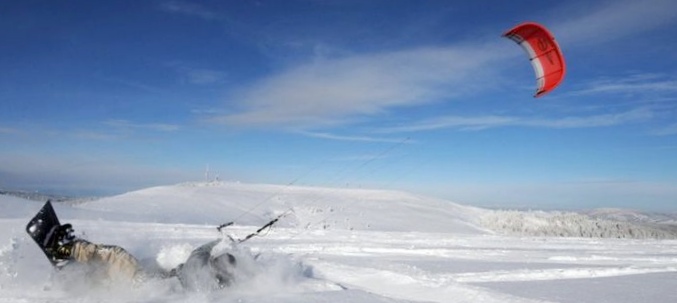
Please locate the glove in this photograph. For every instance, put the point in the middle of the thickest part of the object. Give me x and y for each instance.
(62, 243)
(63, 252)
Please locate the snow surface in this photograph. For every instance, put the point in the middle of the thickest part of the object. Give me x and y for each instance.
(333, 245)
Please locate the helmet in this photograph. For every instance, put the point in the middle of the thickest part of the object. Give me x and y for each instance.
(203, 271)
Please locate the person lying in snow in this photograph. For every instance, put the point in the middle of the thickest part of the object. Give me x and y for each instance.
(202, 271)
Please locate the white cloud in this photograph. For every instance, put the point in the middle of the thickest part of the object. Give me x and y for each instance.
(669, 130)
(188, 8)
(204, 76)
(485, 122)
(8, 130)
(136, 85)
(603, 120)
(465, 123)
(126, 125)
(636, 84)
(194, 75)
(93, 135)
(351, 138)
(334, 91)
(612, 20)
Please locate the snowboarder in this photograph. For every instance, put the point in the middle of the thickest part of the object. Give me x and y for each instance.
(115, 262)
(202, 271)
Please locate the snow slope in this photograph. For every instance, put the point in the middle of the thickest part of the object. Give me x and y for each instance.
(335, 245)
(246, 204)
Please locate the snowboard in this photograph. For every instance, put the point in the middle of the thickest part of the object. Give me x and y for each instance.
(44, 229)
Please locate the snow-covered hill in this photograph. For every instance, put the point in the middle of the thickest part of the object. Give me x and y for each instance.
(340, 245)
(308, 207)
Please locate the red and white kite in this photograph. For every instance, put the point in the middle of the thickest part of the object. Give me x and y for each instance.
(544, 53)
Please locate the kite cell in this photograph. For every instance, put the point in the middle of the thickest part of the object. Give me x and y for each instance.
(544, 53)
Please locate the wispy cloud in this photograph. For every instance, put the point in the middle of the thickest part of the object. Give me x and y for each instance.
(206, 111)
(188, 8)
(8, 130)
(127, 125)
(485, 122)
(351, 138)
(94, 135)
(458, 122)
(636, 84)
(205, 76)
(200, 76)
(641, 114)
(605, 21)
(333, 91)
(669, 130)
(136, 85)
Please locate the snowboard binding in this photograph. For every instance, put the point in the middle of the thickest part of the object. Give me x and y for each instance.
(54, 239)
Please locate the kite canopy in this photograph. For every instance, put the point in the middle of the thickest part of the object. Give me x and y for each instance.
(544, 53)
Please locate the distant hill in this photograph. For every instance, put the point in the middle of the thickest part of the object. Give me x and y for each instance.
(35, 196)
(629, 215)
(43, 197)
(620, 224)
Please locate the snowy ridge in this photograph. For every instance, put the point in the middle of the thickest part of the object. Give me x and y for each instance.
(570, 224)
(34, 196)
(628, 215)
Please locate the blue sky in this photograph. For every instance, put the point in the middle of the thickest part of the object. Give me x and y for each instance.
(424, 96)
